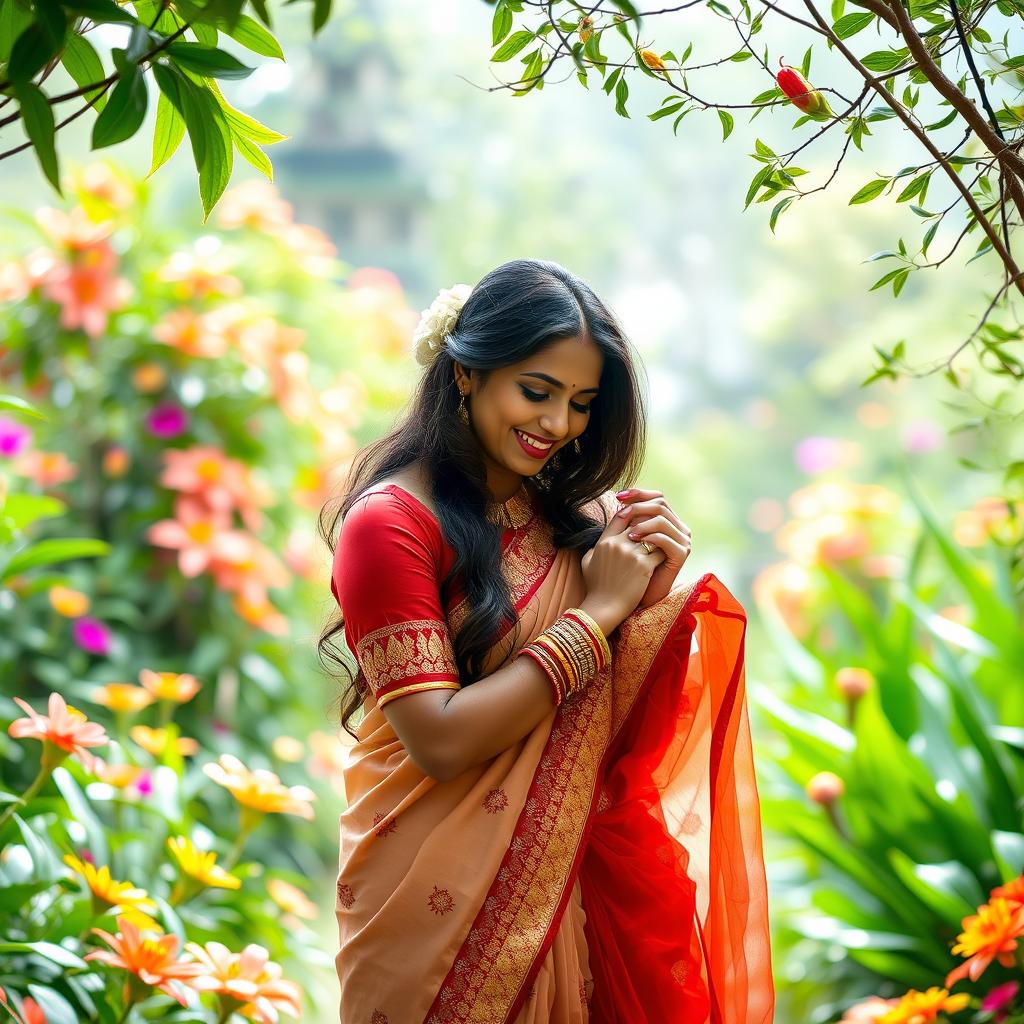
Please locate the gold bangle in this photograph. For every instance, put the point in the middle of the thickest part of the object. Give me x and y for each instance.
(579, 648)
(541, 659)
(597, 633)
(557, 649)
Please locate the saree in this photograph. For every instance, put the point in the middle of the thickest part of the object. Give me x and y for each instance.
(608, 867)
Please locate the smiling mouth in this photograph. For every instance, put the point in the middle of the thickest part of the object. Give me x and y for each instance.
(532, 443)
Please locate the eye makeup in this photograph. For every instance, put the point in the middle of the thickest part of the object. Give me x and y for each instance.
(535, 396)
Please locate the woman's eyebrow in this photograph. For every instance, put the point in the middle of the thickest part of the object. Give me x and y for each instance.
(551, 380)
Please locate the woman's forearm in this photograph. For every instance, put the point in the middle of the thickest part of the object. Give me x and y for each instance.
(495, 713)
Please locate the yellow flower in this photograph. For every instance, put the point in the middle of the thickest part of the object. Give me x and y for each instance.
(149, 377)
(130, 901)
(288, 748)
(919, 1007)
(261, 790)
(172, 686)
(652, 60)
(122, 697)
(586, 28)
(201, 864)
(67, 602)
(154, 741)
(120, 776)
(291, 899)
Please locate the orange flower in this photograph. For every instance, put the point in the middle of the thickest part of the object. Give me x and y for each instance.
(155, 741)
(31, 1012)
(311, 250)
(989, 935)
(223, 483)
(116, 461)
(192, 333)
(15, 282)
(291, 899)
(153, 961)
(652, 60)
(45, 469)
(122, 697)
(67, 602)
(786, 587)
(260, 790)
(869, 1011)
(132, 903)
(200, 276)
(173, 686)
(825, 788)
(248, 568)
(854, 682)
(65, 729)
(149, 377)
(1012, 892)
(254, 204)
(919, 1007)
(250, 977)
(288, 748)
(253, 605)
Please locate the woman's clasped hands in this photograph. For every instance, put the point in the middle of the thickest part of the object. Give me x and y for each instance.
(620, 570)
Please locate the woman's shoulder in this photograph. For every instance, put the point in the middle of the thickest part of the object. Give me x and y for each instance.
(406, 490)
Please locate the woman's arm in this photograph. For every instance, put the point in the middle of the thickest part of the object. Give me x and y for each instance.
(447, 733)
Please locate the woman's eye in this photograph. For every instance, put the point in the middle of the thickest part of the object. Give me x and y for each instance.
(535, 396)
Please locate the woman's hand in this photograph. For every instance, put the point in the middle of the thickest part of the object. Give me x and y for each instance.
(650, 518)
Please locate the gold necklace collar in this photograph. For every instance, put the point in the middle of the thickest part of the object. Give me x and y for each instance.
(514, 513)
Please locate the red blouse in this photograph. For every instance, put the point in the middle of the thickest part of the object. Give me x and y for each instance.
(388, 564)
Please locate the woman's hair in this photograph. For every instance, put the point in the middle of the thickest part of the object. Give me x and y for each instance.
(516, 310)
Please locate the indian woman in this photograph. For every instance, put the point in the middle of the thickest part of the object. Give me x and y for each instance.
(552, 813)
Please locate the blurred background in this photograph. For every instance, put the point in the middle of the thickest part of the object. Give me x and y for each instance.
(269, 344)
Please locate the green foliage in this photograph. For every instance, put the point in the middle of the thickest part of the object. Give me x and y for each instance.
(929, 818)
(177, 42)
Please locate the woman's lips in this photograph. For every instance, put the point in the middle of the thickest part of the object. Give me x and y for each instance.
(536, 453)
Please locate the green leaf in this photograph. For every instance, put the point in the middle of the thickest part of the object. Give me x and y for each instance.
(254, 37)
(870, 191)
(11, 403)
(667, 110)
(23, 510)
(105, 11)
(82, 812)
(208, 60)
(47, 552)
(501, 23)
(727, 123)
(168, 132)
(254, 155)
(756, 182)
(58, 954)
(125, 111)
(83, 64)
(32, 49)
(621, 95)
(210, 136)
(37, 115)
(321, 14)
(885, 60)
(851, 24)
(779, 208)
(516, 42)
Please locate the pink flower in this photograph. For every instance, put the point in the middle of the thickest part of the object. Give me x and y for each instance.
(199, 534)
(45, 469)
(922, 436)
(66, 728)
(167, 420)
(821, 454)
(1000, 998)
(144, 784)
(91, 635)
(14, 437)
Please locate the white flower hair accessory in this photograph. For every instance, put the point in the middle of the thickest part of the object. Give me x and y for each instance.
(436, 321)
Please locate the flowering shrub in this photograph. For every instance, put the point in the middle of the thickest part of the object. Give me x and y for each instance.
(160, 592)
(896, 771)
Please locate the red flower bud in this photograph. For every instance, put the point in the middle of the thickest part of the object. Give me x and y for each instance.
(800, 92)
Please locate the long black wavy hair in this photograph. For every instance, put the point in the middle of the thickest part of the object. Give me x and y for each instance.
(513, 312)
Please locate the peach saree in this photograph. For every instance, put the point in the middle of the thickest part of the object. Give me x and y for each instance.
(606, 868)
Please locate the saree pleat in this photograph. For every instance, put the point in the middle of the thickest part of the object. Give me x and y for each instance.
(606, 868)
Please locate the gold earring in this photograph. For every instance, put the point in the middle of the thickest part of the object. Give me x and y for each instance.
(463, 415)
(576, 445)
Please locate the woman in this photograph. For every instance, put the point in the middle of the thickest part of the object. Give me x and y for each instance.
(552, 813)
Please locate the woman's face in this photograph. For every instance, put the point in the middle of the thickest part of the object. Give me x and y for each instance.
(547, 396)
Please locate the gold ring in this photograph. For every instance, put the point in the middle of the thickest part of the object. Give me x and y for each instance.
(647, 547)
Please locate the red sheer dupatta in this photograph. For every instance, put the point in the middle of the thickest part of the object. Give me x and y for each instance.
(672, 873)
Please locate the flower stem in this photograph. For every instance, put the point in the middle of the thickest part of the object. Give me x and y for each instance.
(30, 794)
(249, 820)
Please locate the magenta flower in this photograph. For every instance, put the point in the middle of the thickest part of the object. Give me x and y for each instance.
(1000, 998)
(14, 437)
(821, 454)
(144, 784)
(91, 635)
(167, 420)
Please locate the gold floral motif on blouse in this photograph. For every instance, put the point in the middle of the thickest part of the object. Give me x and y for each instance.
(404, 650)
